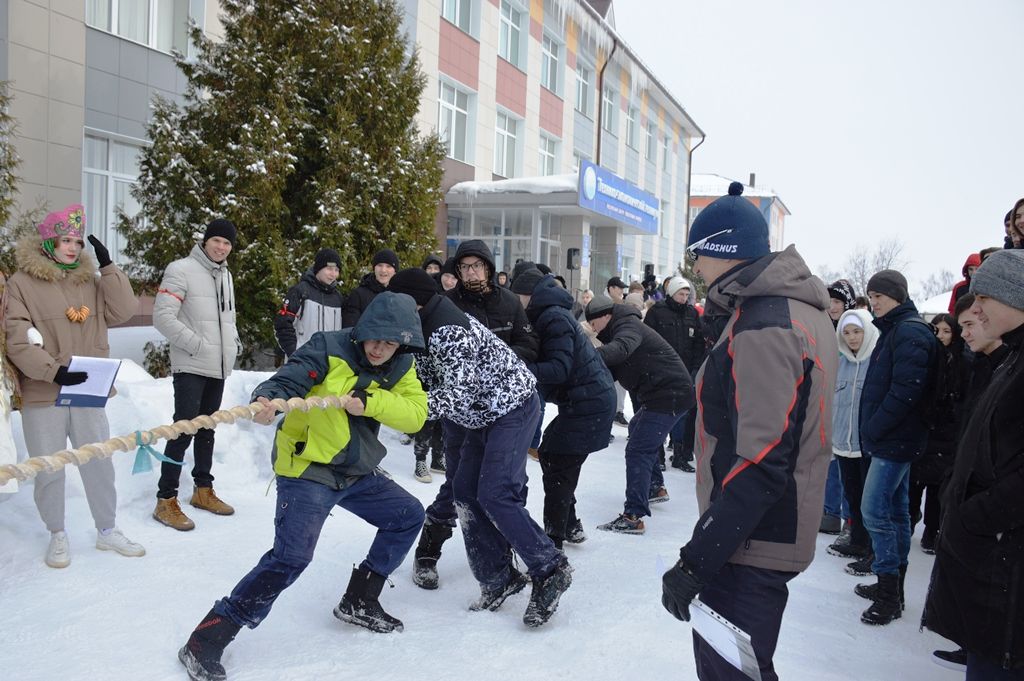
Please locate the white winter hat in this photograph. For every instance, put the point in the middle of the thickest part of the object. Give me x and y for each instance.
(676, 283)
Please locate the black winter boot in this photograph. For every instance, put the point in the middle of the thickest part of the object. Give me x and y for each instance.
(201, 653)
(681, 458)
(886, 606)
(870, 591)
(360, 606)
(428, 552)
(492, 600)
(546, 593)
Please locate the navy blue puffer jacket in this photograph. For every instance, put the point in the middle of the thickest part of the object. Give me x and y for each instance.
(570, 373)
(892, 424)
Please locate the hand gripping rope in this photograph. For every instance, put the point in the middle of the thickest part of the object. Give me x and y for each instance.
(142, 439)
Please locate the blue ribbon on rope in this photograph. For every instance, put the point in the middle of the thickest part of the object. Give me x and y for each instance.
(142, 454)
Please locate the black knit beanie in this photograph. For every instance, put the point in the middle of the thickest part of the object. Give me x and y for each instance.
(387, 257)
(325, 257)
(527, 281)
(889, 283)
(225, 229)
(414, 282)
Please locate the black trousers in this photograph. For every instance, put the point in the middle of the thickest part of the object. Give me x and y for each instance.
(853, 472)
(753, 599)
(428, 438)
(932, 506)
(561, 474)
(193, 395)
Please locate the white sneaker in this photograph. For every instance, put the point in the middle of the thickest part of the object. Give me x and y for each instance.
(116, 541)
(421, 473)
(58, 553)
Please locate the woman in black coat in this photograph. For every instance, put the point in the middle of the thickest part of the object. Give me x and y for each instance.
(573, 376)
(928, 472)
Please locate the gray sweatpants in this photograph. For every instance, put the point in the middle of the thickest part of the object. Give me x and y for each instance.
(47, 430)
(620, 397)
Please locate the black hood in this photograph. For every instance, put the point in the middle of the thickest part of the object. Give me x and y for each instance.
(479, 249)
(310, 278)
(620, 313)
(370, 282)
(432, 259)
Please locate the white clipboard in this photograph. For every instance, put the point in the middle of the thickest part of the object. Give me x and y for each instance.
(728, 640)
(95, 391)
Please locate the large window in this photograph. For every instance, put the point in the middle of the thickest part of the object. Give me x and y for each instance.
(632, 116)
(549, 59)
(109, 170)
(583, 77)
(650, 141)
(506, 138)
(459, 12)
(608, 117)
(666, 156)
(453, 121)
(548, 151)
(510, 34)
(161, 24)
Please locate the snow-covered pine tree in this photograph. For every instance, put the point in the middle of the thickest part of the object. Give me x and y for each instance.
(298, 127)
(8, 180)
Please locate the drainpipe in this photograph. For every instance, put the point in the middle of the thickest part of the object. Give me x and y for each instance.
(600, 98)
(689, 178)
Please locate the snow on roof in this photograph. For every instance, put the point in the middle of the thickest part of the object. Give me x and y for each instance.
(936, 304)
(549, 184)
(716, 185)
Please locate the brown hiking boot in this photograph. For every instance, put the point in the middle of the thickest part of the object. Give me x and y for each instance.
(169, 513)
(206, 499)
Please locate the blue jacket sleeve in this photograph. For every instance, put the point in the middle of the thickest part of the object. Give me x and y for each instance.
(556, 349)
(912, 351)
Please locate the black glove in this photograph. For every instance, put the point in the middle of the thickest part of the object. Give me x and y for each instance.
(679, 586)
(65, 377)
(102, 256)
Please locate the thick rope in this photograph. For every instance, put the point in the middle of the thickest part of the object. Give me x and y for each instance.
(102, 450)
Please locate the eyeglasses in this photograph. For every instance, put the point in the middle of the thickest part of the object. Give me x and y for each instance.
(477, 266)
(691, 250)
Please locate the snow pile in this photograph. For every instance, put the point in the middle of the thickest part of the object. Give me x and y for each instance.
(107, 616)
(548, 184)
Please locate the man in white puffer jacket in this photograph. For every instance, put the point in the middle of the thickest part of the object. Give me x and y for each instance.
(195, 310)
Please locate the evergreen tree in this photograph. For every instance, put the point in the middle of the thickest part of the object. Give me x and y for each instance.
(8, 181)
(298, 127)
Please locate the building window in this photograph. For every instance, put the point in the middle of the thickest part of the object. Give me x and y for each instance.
(663, 217)
(548, 155)
(608, 121)
(458, 12)
(110, 169)
(506, 135)
(578, 158)
(510, 35)
(650, 145)
(666, 145)
(549, 53)
(583, 76)
(453, 121)
(694, 212)
(632, 114)
(161, 24)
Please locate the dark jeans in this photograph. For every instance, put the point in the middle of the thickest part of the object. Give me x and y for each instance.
(932, 506)
(490, 495)
(442, 511)
(980, 669)
(647, 431)
(428, 438)
(302, 508)
(194, 395)
(753, 599)
(886, 513)
(854, 472)
(561, 475)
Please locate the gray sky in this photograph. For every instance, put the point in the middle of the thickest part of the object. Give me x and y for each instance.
(871, 119)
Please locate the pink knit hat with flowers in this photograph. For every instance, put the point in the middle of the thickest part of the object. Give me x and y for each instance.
(68, 222)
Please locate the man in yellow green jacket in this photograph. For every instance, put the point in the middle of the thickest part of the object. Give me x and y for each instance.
(326, 458)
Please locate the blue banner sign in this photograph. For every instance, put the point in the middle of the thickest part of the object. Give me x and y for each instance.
(606, 193)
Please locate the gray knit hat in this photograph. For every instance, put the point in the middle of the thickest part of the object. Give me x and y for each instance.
(599, 306)
(1001, 276)
(889, 283)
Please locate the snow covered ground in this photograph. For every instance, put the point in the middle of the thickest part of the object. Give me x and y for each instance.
(109, 617)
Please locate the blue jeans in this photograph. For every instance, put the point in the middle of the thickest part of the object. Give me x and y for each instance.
(886, 510)
(302, 508)
(647, 431)
(490, 496)
(980, 669)
(835, 502)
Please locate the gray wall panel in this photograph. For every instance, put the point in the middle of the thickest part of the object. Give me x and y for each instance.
(3, 40)
(133, 61)
(101, 91)
(102, 51)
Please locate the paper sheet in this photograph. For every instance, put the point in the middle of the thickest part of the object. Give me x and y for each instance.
(729, 641)
(94, 391)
